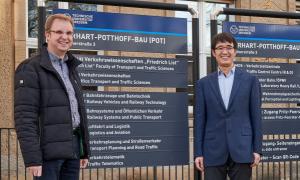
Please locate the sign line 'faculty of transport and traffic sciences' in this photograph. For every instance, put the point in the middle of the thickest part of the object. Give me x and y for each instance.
(132, 71)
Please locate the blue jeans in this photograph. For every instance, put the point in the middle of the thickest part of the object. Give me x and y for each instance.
(62, 169)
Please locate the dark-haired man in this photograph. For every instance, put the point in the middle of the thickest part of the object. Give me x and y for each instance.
(228, 135)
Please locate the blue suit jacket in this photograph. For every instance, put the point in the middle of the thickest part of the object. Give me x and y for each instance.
(235, 131)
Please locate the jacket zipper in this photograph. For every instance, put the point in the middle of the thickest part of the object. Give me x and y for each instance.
(80, 101)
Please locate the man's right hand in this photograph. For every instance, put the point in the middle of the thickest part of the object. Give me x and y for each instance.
(35, 170)
(199, 163)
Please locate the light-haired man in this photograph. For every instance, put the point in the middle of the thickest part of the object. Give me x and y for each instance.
(50, 117)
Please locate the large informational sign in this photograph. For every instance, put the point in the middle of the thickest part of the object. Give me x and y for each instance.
(126, 32)
(132, 71)
(130, 129)
(265, 40)
(137, 129)
(280, 84)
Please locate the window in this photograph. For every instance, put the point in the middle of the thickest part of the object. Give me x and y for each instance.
(33, 17)
(211, 7)
(32, 20)
(32, 52)
(82, 7)
(182, 14)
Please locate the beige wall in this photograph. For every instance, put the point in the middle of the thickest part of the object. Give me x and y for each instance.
(12, 50)
(20, 30)
(268, 5)
(6, 63)
(271, 5)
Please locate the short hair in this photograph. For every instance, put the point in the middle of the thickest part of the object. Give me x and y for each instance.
(223, 37)
(51, 18)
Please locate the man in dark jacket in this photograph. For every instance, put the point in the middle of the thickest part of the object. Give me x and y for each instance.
(50, 117)
(228, 126)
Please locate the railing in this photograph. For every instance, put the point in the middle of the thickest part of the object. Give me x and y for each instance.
(12, 167)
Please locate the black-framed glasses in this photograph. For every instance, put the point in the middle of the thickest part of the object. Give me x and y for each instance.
(60, 32)
(227, 48)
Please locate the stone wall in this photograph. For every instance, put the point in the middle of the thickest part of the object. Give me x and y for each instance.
(6, 62)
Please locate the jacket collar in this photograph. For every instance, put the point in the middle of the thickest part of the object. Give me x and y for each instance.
(235, 86)
(216, 89)
(46, 63)
(213, 79)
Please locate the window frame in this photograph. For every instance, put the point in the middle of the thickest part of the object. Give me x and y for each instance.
(32, 42)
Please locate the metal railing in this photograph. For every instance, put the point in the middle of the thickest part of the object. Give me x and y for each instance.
(12, 166)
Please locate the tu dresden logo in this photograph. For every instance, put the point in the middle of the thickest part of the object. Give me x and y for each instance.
(234, 29)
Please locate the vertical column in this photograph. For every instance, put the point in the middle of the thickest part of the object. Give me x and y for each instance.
(6, 63)
(19, 31)
(202, 40)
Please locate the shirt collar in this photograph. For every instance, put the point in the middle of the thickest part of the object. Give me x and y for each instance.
(231, 72)
(55, 58)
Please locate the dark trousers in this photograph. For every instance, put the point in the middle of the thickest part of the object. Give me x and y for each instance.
(62, 169)
(235, 171)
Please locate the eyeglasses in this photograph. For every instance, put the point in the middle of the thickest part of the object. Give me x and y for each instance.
(221, 49)
(60, 33)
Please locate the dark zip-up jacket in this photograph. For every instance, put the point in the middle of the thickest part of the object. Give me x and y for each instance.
(43, 119)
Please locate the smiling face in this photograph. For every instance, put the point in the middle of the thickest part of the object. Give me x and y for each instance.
(224, 53)
(59, 37)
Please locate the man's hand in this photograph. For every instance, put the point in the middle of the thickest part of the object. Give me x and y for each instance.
(83, 163)
(199, 163)
(256, 159)
(35, 170)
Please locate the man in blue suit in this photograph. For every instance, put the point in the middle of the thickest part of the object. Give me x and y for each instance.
(228, 135)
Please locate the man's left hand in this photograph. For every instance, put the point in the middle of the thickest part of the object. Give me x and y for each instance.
(83, 163)
(256, 159)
